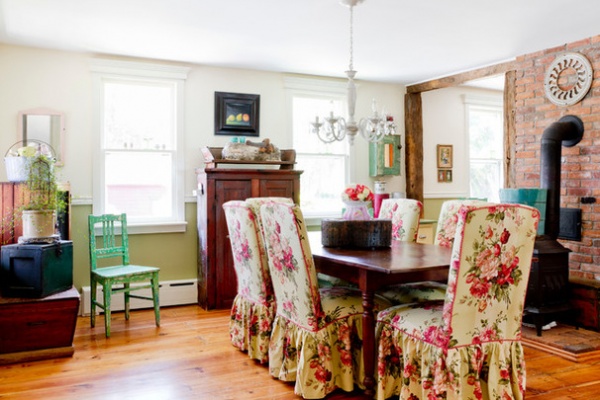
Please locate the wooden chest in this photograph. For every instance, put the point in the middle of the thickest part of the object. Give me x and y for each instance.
(426, 231)
(33, 329)
(36, 270)
(585, 298)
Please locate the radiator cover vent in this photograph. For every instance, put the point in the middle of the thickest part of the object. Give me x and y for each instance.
(172, 293)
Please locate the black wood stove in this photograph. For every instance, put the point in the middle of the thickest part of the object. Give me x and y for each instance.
(548, 289)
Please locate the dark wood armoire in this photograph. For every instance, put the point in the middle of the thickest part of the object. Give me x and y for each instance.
(234, 180)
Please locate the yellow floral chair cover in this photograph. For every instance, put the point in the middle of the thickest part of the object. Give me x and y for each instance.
(317, 332)
(256, 202)
(469, 345)
(405, 215)
(253, 307)
(430, 290)
(446, 225)
(414, 292)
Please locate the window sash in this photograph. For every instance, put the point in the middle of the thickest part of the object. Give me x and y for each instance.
(486, 174)
(321, 195)
(170, 147)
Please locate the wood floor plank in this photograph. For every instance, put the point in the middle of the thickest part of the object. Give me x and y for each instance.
(190, 357)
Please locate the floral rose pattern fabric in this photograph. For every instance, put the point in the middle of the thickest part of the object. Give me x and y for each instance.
(317, 333)
(256, 202)
(467, 346)
(405, 215)
(253, 308)
(446, 226)
(414, 292)
(446, 229)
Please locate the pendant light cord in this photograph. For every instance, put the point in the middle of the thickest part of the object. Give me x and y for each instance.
(351, 39)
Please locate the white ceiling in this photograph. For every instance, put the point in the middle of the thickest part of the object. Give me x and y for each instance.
(400, 41)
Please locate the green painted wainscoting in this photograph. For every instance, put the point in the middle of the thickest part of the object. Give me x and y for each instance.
(432, 207)
(175, 253)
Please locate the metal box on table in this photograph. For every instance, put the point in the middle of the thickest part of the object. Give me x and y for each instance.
(36, 270)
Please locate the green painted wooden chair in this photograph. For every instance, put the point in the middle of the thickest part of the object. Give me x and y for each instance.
(108, 246)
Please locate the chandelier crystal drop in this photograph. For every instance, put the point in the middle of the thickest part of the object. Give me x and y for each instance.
(335, 128)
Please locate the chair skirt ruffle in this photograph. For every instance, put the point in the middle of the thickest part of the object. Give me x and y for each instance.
(304, 356)
(490, 370)
(326, 357)
(250, 327)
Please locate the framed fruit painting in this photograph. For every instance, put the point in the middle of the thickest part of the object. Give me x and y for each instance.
(237, 114)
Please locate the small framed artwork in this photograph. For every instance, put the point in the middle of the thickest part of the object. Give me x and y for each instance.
(445, 175)
(441, 175)
(444, 156)
(237, 114)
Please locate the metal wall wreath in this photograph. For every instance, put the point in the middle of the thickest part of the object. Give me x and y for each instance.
(570, 92)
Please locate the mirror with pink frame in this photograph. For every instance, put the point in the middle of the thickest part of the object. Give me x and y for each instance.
(45, 125)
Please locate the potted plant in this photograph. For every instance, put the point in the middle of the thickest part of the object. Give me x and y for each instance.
(39, 213)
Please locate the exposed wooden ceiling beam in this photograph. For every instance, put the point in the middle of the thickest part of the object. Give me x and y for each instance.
(458, 79)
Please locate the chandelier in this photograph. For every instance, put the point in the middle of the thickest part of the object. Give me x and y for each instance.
(336, 128)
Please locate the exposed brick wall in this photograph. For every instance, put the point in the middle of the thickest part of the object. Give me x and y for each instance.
(580, 170)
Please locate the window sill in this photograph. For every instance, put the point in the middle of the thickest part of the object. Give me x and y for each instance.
(165, 227)
(315, 220)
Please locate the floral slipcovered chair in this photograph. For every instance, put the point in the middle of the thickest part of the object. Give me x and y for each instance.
(253, 307)
(317, 333)
(431, 290)
(446, 225)
(405, 215)
(469, 345)
(256, 202)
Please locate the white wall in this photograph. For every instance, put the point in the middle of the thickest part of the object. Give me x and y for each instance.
(32, 78)
(444, 122)
(61, 81)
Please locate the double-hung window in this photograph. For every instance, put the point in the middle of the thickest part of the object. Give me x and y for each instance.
(486, 146)
(139, 154)
(325, 166)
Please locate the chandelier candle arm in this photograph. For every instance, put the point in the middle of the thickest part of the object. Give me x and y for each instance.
(372, 129)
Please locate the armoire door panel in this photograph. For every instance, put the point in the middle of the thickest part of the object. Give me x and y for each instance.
(217, 282)
(226, 280)
(276, 188)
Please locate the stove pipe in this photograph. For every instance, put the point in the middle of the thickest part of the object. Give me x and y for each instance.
(568, 131)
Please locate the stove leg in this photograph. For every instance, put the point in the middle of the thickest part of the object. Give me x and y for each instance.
(538, 321)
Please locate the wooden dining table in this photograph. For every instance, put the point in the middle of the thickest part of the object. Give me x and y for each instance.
(372, 269)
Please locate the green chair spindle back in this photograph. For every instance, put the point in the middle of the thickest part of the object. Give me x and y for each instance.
(110, 246)
(113, 243)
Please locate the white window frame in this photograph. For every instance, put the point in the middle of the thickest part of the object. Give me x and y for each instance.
(318, 88)
(111, 71)
(483, 103)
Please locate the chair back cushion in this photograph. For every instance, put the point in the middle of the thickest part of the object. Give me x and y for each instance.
(489, 271)
(247, 248)
(291, 265)
(113, 240)
(256, 202)
(405, 215)
(446, 225)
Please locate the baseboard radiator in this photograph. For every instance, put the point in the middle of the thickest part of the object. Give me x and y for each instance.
(172, 293)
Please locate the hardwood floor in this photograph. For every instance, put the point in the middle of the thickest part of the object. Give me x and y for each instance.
(190, 357)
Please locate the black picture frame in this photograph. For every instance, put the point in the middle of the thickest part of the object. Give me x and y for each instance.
(237, 114)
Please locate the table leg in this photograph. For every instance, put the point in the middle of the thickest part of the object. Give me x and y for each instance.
(369, 349)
